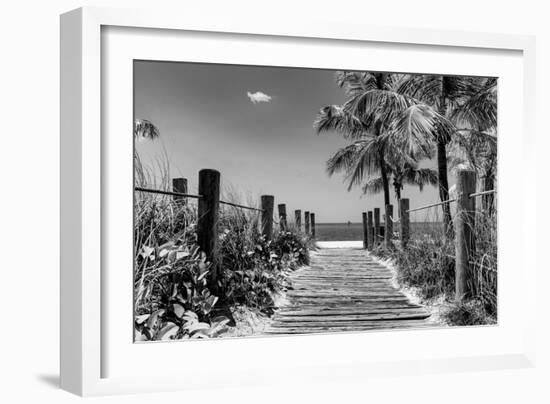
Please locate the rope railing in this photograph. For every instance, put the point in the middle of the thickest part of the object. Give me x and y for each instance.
(180, 191)
(491, 191)
(208, 213)
(184, 195)
(431, 205)
(168, 193)
(236, 205)
(473, 195)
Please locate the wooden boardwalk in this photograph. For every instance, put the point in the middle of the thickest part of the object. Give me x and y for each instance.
(344, 289)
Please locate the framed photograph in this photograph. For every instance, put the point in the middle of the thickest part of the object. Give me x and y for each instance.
(245, 204)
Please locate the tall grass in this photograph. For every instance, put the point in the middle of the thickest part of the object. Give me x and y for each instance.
(428, 265)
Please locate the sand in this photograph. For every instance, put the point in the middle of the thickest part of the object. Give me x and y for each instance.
(339, 244)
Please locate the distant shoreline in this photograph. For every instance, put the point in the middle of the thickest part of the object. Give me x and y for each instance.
(354, 231)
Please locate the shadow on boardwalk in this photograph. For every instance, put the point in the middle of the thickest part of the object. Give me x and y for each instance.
(344, 289)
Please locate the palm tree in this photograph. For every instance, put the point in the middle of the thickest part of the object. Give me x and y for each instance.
(381, 123)
(365, 155)
(445, 94)
(144, 129)
(475, 143)
(406, 175)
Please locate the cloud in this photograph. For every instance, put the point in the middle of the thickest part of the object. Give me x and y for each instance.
(258, 97)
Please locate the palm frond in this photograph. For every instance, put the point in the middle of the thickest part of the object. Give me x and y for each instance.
(145, 129)
(366, 163)
(479, 110)
(355, 82)
(420, 177)
(373, 186)
(424, 88)
(417, 128)
(335, 118)
(377, 106)
(356, 161)
(460, 87)
(346, 157)
(478, 149)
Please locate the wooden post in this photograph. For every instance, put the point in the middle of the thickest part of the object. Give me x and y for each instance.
(465, 237)
(388, 233)
(179, 185)
(404, 221)
(282, 216)
(306, 220)
(312, 219)
(376, 226)
(207, 221)
(370, 230)
(298, 219)
(365, 231)
(268, 201)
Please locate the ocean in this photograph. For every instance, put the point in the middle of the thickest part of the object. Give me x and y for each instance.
(354, 231)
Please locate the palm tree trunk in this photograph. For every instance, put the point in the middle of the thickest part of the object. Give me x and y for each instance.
(442, 166)
(397, 189)
(381, 160)
(444, 187)
(385, 181)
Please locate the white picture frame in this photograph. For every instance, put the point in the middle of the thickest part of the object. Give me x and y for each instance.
(87, 306)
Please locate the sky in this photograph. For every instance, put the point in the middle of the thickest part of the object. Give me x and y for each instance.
(254, 124)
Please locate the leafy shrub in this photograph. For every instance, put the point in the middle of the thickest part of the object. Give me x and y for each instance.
(292, 245)
(254, 269)
(173, 300)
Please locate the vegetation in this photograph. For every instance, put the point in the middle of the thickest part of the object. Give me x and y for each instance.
(406, 174)
(393, 123)
(386, 127)
(428, 266)
(172, 298)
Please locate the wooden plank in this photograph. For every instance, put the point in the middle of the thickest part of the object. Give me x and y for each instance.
(344, 324)
(339, 328)
(349, 310)
(285, 318)
(348, 305)
(344, 290)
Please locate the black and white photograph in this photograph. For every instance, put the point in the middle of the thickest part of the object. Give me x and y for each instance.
(275, 201)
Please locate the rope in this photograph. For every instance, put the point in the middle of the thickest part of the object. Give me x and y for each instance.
(432, 205)
(157, 191)
(491, 191)
(393, 220)
(241, 206)
(170, 193)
